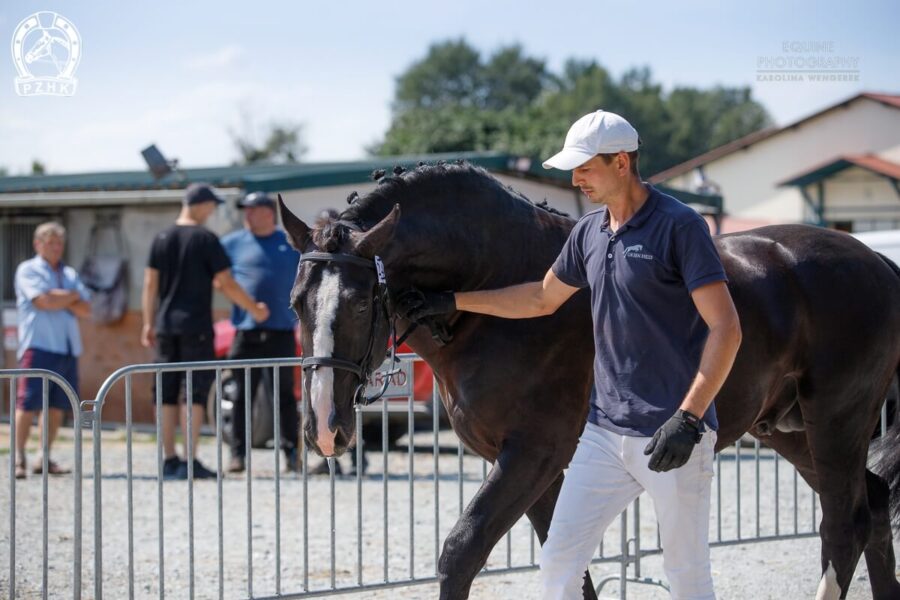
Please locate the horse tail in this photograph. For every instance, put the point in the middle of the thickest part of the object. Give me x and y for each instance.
(885, 460)
(886, 449)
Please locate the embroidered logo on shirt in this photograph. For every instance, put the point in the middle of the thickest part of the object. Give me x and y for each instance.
(637, 251)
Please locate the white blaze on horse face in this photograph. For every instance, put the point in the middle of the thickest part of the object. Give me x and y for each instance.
(322, 384)
(828, 586)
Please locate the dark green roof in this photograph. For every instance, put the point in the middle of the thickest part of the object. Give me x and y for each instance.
(250, 178)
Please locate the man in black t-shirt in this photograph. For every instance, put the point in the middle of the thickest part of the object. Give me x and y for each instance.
(186, 261)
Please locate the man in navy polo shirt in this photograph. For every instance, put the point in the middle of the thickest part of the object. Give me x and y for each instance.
(264, 264)
(666, 334)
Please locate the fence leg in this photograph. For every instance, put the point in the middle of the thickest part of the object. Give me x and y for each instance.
(627, 557)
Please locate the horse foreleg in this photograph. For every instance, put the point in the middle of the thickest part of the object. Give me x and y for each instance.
(540, 514)
(880, 549)
(518, 478)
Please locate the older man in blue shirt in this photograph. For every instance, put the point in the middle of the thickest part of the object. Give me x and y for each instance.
(49, 297)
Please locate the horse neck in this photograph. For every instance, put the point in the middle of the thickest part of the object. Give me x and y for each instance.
(474, 244)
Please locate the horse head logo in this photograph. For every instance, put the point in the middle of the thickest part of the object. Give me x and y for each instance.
(46, 49)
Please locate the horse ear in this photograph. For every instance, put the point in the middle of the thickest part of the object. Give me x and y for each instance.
(371, 242)
(297, 230)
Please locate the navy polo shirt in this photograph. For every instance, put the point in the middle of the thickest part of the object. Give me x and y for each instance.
(648, 335)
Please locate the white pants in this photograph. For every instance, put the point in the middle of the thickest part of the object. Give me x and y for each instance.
(607, 472)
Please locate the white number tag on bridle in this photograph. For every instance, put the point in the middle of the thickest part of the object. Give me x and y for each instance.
(379, 269)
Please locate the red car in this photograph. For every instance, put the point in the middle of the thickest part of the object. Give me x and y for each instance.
(397, 396)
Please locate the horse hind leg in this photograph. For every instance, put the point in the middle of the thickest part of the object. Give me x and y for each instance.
(839, 458)
(879, 551)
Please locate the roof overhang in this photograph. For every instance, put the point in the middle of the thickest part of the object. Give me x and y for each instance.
(868, 162)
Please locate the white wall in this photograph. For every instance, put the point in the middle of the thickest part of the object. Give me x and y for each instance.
(859, 194)
(749, 177)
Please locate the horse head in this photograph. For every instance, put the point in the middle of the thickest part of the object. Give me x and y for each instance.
(344, 321)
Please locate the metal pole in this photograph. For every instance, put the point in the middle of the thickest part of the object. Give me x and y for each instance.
(12, 487)
(359, 522)
(98, 504)
(719, 496)
(333, 527)
(305, 477)
(45, 474)
(412, 528)
(129, 475)
(78, 472)
(384, 479)
(756, 462)
(777, 501)
(189, 440)
(276, 426)
(159, 487)
(221, 528)
(435, 426)
(737, 463)
(248, 445)
(637, 537)
(623, 563)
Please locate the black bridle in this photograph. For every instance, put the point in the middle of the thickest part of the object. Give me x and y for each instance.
(380, 308)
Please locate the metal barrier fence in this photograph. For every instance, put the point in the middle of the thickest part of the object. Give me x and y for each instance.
(338, 533)
(16, 376)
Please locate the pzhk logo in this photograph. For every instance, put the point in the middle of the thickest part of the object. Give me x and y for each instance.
(46, 48)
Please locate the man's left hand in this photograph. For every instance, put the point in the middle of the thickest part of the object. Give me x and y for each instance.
(672, 444)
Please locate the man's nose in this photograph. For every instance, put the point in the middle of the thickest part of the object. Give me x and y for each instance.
(574, 179)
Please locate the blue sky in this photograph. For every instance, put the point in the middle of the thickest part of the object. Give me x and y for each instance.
(181, 74)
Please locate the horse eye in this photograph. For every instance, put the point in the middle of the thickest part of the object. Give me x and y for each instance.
(362, 307)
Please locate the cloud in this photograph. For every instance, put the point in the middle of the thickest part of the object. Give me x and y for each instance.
(222, 58)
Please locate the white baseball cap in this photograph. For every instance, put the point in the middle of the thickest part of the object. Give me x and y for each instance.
(596, 133)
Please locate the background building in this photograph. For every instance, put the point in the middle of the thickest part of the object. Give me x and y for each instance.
(838, 167)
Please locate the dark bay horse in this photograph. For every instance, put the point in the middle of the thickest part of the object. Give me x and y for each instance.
(820, 315)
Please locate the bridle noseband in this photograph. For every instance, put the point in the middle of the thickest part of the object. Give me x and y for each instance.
(363, 369)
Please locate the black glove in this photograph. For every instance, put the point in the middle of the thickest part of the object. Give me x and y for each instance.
(415, 304)
(672, 444)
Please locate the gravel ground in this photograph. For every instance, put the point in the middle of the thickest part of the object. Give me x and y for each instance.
(780, 569)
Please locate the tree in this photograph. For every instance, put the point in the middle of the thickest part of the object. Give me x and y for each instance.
(277, 143)
(450, 74)
(453, 100)
(37, 167)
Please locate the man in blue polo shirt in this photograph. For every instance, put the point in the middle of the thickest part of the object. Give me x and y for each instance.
(49, 297)
(265, 265)
(666, 334)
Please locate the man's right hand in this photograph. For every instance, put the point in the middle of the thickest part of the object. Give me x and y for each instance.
(415, 304)
(260, 312)
(148, 336)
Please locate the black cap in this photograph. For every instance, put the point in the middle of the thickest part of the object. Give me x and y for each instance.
(198, 193)
(256, 199)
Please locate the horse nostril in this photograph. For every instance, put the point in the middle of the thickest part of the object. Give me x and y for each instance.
(333, 421)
